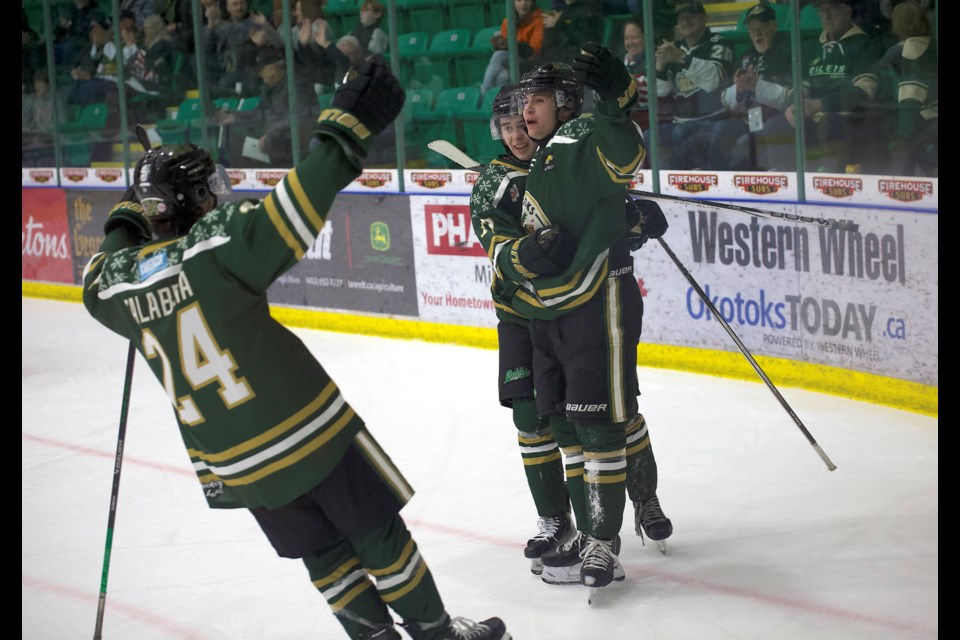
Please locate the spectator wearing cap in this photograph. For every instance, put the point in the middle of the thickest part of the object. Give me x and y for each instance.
(761, 89)
(840, 83)
(693, 71)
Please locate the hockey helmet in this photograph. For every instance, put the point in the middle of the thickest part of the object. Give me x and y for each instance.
(553, 76)
(174, 183)
(503, 107)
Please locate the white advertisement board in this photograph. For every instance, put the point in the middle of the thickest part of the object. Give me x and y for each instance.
(453, 272)
(865, 300)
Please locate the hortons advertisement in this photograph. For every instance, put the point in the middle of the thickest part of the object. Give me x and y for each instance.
(45, 252)
(864, 300)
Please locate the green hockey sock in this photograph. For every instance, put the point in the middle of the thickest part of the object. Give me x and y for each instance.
(641, 465)
(604, 476)
(565, 433)
(541, 461)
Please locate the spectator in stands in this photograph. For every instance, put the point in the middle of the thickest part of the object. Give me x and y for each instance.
(134, 56)
(71, 33)
(39, 117)
(530, 29)
(915, 148)
(635, 60)
(424, 77)
(372, 38)
(269, 122)
(238, 53)
(32, 53)
(160, 54)
(840, 84)
(38, 110)
(139, 10)
(95, 76)
(693, 70)
(761, 89)
(178, 16)
(566, 28)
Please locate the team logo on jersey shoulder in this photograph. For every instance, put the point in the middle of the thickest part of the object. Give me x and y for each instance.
(514, 193)
(149, 266)
(548, 163)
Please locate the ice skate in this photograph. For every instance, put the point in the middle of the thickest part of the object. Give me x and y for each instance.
(650, 519)
(460, 629)
(554, 531)
(562, 565)
(600, 565)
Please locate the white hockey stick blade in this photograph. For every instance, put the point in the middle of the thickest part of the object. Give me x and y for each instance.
(451, 152)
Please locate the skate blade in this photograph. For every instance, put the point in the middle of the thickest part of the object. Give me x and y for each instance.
(662, 546)
(536, 567)
(592, 594)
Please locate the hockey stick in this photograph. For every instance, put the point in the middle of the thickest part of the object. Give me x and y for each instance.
(746, 354)
(115, 491)
(118, 458)
(454, 154)
(843, 225)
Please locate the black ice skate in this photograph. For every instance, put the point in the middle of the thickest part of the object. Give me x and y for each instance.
(554, 531)
(562, 565)
(650, 519)
(459, 629)
(600, 565)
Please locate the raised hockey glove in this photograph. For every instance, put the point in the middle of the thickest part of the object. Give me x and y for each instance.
(128, 215)
(546, 252)
(647, 222)
(596, 67)
(363, 107)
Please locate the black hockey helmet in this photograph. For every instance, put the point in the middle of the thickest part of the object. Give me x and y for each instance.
(174, 182)
(552, 76)
(503, 106)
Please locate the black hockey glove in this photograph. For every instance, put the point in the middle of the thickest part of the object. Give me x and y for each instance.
(646, 222)
(128, 215)
(596, 67)
(371, 100)
(546, 252)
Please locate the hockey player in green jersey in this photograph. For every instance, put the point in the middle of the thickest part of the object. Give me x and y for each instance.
(495, 215)
(265, 426)
(586, 309)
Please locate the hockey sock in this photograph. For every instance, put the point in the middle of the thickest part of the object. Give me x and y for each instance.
(541, 460)
(641, 465)
(565, 433)
(605, 476)
(404, 581)
(337, 573)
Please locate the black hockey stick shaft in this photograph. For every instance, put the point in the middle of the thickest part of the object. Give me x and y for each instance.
(844, 225)
(747, 354)
(115, 491)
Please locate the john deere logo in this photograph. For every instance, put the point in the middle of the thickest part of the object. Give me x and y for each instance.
(380, 236)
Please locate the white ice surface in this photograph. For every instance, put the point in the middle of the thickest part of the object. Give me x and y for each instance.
(768, 544)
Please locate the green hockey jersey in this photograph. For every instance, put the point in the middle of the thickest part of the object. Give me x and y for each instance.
(262, 421)
(579, 180)
(495, 212)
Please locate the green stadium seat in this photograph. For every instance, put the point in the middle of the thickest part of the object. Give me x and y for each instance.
(467, 13)
(175, 130)
(76, 135)
(445, 48)
(471, 64)
(344, 15)
(445, 121)
(410, 45)
(421, 15)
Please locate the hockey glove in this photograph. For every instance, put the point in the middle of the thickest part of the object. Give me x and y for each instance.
(546, 252)
(363, 107)
(596, 67)
(647, 222)
(128, 215)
